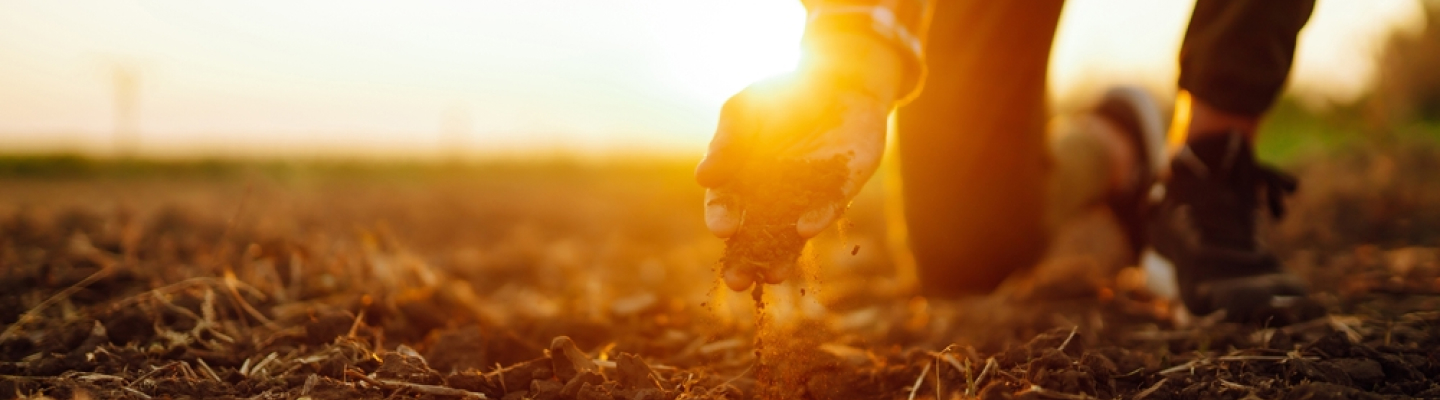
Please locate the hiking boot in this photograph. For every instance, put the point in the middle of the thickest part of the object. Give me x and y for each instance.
(1204, 231)
(1138, 116)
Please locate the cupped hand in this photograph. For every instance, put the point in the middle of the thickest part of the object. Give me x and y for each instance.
(806, 115)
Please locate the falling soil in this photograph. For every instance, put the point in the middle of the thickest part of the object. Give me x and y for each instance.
(773, 196)
(786, 355)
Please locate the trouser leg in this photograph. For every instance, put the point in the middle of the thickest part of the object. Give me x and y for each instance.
(1237, 53)
(973, 159)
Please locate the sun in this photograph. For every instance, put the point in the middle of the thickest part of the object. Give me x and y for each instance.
(715, 48)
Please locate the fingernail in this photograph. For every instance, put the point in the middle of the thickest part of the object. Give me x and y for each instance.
(720, 220)
(816, 220)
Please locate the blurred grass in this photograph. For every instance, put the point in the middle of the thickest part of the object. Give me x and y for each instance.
(63, 165)
(67, 166)
(1292, 134)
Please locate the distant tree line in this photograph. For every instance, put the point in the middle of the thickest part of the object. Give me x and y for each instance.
(1408, 86)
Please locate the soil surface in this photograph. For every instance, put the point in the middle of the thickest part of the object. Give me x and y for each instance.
(575, 282)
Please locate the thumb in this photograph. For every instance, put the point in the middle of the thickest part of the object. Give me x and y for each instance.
(722, 213)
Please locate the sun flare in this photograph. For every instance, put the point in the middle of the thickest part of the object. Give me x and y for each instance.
(275, 78)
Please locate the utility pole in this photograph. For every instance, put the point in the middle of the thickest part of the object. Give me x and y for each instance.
(126, 81)
(455, 128)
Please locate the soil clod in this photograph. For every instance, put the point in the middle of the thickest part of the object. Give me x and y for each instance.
(773, 196)
(567, 359)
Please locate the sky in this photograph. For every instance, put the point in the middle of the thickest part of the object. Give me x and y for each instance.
(281, 78)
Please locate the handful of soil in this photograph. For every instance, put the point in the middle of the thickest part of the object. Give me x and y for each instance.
(773, 195)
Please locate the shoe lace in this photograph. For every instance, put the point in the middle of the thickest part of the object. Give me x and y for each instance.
(1275, 184)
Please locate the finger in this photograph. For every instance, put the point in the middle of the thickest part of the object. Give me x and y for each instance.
(730, 146)
(722, 213)
(815, 220)
(867, 131)
(737, 279)
(777, 274)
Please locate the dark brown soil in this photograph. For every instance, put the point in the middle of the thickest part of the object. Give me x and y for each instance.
(773, 197)
(593, 283)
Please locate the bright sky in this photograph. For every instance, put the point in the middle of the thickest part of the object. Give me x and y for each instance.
(288, 77)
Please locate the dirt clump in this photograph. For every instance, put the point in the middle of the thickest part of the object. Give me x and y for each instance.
(772, 197)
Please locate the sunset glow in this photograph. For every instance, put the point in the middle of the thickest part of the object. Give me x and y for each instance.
(288, 78)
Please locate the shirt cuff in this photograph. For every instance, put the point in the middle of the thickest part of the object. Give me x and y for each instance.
(901, 28)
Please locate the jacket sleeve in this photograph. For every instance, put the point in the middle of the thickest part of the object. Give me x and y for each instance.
(902, 24)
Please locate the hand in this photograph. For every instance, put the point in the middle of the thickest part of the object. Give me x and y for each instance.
(819, 112)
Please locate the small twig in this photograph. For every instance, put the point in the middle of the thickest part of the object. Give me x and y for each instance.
(290, 370)
(207, 307)
(919, 380)
(500, 374)
(1348, 330)
(430, 389)
(1188, 365)
(207, 321)
(1234, 385)
(950, 358)
(178, 309)
(937, 368)
(205, 280)
(152, 372)
(230, 283)
(689, 380)
(1009, 375)
(984, 373)
(258, 368)
(721, 345)
(1058, 394)
(353, 374)
(1151, 390)
(937, 378)
(137, 393)
(1262, 358)
(56, 298)
(209, 372)
(355, 326)
(189, 372)
(742, 374)
(1073, 329)
(309, 384)
(91, 377)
